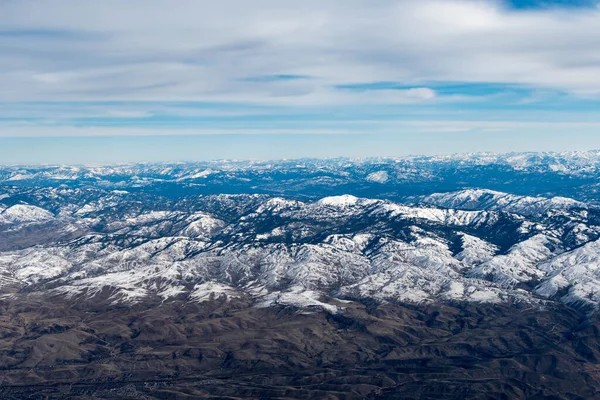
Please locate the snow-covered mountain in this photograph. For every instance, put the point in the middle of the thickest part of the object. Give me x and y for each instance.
(119, 247)
(569, 174)
(470, 276)
(478, 199)
(21, 213)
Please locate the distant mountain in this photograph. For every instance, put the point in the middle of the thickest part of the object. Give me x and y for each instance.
(570, 174)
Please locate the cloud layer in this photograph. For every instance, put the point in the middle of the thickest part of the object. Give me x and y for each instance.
(288, 53)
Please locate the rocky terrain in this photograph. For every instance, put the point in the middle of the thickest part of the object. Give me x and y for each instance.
(115, 283)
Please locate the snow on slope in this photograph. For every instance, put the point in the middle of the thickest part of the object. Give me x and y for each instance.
(22, 213)
(475, 250)
(296, 253)
(33, 265)
(202, 225)
(421, 272)
(478, 199)
(379, 177)
(441, 216)
(339, 201)
(297, 296)
(519, 264)
(577, 272)
(212, 291)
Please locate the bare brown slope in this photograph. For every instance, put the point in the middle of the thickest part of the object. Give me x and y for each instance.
(228, 350)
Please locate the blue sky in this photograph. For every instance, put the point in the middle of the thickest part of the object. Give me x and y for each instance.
(533, 4)
(118, 80)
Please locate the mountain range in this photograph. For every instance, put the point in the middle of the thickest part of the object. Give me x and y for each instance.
(472, 276)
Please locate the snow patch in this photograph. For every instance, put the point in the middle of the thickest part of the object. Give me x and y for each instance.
(378, 177)
(339, 201)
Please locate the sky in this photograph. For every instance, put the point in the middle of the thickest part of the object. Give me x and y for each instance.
(163, 80)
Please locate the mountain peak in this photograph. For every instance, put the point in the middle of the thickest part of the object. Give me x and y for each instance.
(339, 201)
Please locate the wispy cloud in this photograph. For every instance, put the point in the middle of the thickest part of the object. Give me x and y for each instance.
(235, 50)
(64, 61)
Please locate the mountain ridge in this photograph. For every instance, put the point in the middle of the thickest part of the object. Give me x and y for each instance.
(341, 246)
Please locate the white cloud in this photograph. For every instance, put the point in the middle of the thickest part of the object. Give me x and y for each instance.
(158, 50)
